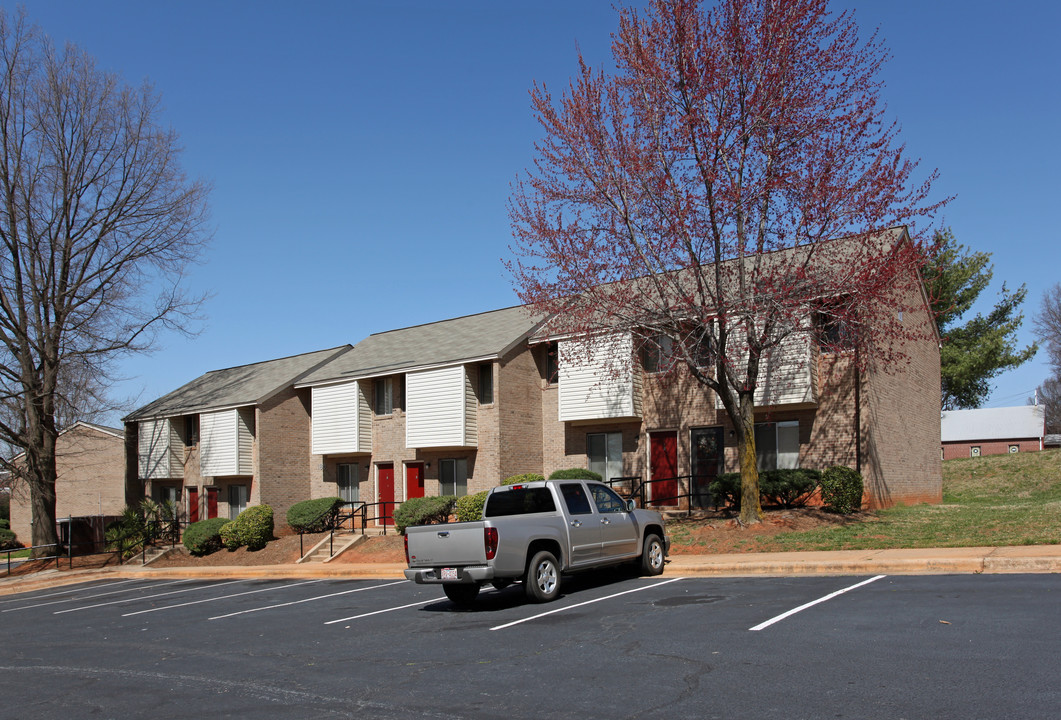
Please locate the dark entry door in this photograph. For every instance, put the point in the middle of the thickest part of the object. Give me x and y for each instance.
(707, 455)
(211, 503)
(663, 463)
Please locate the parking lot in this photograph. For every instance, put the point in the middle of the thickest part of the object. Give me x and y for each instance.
(612, 646)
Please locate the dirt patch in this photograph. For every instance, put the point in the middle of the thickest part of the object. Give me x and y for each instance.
(281, 551)
(723, 533)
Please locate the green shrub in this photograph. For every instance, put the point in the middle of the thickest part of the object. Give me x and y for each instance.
(8, 540)
(314, 515)
(524, 478)
(789, 487)
(423, 511)
(470, 507)
(842, 489)
(5, 524)
(726, 490)
(253, 528)
(575, 474)
(204, 537)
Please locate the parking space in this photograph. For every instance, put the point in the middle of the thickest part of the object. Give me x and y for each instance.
(612, 645)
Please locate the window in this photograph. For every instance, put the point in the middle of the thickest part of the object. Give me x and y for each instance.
(237, 500)
(383, 392)
(833, 332)
(657, 354)
(168, 494)
(453, 477)
(575, 499)
(520, 501)
(486, 383)
(606, 500)
(777, 445)
(605, 453)
(348, 481)
(191, 430)
(552, 364)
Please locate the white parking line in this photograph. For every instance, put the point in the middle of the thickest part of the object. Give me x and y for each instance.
(812, 603)
(311, 599)
(588, 602)
(387, 610)
(69, 590)
(147, 597)
(221, 597)
(90, 597)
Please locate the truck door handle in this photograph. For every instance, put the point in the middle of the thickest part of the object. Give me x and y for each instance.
(576, 523)
(605, 521)
(444, 533)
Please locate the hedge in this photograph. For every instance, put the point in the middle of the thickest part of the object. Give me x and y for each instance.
(204, 537)
(524, 478)
(842, 489)
(787, 487)
(576, 474)
(423, 511)
(312, 516)
(253, 528)
(470, 507)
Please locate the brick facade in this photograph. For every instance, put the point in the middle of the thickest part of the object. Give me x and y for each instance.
(90, 469)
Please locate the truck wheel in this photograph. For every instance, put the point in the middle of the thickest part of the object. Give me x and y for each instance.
(461, 594)
(652, 557)
(542, 581)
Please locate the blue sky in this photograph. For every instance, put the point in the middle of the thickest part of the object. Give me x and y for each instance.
(361, 152)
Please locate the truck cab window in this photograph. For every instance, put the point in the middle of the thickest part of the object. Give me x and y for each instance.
(576, 499)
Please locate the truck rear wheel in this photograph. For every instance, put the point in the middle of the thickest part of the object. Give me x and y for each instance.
(542, 581)
(461, 594)
(652, 557)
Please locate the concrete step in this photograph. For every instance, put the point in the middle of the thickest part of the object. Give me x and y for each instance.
(328, 549)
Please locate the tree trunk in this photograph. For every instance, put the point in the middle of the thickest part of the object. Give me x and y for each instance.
(751, 512)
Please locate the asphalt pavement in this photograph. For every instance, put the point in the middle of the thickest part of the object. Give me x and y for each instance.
(918, 561)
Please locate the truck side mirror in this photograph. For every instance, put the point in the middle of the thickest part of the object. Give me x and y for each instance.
(631, 505)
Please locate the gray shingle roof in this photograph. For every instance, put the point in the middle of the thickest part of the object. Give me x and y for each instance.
(237, 386)
(485, 335)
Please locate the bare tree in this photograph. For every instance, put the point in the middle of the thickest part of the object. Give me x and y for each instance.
(98, 224)
(689, 199)
(1048, 325)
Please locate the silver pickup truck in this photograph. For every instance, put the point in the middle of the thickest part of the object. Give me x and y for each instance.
(533, 533)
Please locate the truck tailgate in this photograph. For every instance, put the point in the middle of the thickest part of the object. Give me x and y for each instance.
(447, 545)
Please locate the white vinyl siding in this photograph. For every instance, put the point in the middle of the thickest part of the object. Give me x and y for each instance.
(440, 409)
(787, 372)
(598, 380)
(341, 419)
(226, 442)
(160, 451)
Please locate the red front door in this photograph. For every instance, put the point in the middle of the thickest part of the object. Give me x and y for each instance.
(386, 493)
(663, 464)
(414, 481)
(211, 503)
(193, 505)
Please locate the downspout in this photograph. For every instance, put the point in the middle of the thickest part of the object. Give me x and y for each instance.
(858, 414)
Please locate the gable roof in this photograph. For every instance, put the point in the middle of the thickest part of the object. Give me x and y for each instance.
(485, 336)
(1005, 423)
(237, 386)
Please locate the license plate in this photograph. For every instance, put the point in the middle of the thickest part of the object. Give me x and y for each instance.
(449, 573)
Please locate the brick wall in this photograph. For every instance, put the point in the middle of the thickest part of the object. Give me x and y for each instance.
(90, 468)
(282, 453)
(955, 450)
(519, 414)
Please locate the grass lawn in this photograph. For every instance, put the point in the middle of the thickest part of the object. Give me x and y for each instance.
(997, 500)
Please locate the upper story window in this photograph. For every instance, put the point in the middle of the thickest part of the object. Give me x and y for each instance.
(551, 363)
(486, 383)
(657, 354)
(383, 395)
(833, 332)
(191, 430)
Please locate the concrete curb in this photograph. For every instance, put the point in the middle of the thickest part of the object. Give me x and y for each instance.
(929, 561)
